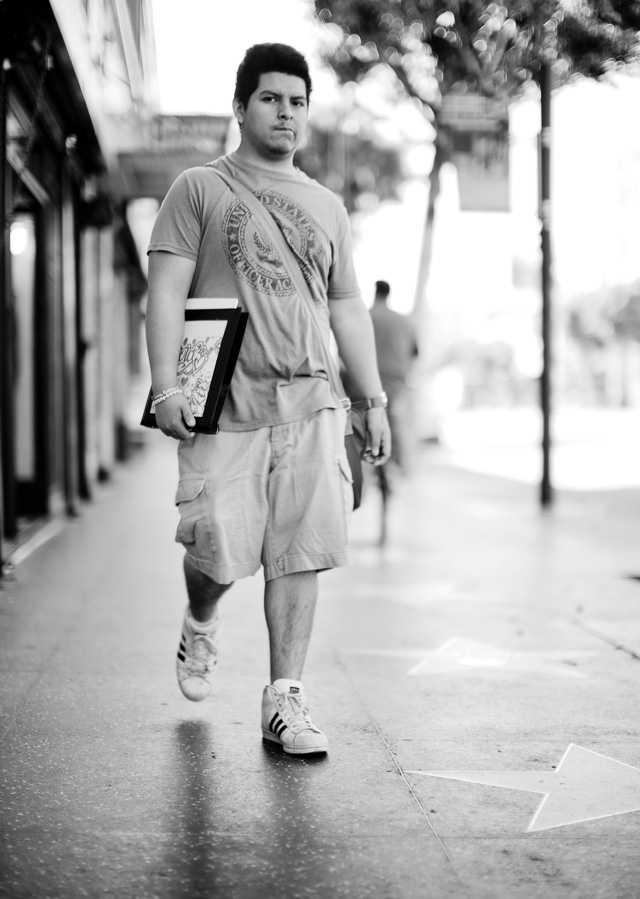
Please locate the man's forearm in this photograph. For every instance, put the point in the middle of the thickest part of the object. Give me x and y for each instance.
(164, 330)
(169, 282)
(353, 331)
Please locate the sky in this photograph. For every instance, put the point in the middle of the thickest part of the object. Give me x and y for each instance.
(200, 43)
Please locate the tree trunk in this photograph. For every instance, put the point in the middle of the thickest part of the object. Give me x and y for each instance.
(421, 311)
(420, 303)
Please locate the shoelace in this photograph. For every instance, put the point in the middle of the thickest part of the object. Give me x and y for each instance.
(201, 658)
(294, 714)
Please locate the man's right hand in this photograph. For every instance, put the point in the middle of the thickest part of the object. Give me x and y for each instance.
(174, 417)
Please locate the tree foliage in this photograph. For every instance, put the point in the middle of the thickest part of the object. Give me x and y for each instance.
(434, 45)
(599, 319)
(369, 173)
(440, 47)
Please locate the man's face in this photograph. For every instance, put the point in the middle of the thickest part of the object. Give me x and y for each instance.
(275, 118)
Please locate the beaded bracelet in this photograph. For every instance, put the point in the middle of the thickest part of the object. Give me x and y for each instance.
(164, 395)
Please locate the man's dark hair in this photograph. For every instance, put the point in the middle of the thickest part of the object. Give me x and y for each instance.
(263, 58)
(382, 289)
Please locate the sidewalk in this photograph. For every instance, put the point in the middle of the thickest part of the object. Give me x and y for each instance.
(489, 655)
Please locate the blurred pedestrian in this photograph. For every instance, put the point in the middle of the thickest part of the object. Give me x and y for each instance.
(396, 349)
(272, 489)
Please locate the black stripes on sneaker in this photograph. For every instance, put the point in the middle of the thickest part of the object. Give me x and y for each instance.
(182, 649)
(277, 725)
(285, 720)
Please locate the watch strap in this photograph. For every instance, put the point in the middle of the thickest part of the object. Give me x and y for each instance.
(375, 402)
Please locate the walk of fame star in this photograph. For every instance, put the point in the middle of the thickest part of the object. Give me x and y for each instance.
(458, 654)
(585, 786)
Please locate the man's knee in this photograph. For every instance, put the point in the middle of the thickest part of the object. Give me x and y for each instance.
(200, 581)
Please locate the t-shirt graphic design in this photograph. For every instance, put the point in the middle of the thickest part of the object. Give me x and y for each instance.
(280, 375)
(251, 252)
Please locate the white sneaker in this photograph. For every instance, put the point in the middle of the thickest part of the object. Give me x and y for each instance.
(285, 720)
(197, 659)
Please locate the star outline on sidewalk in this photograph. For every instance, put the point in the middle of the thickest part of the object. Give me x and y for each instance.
(458, 655)
(567, 787)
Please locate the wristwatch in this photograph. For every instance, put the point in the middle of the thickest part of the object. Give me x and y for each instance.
(375, 402)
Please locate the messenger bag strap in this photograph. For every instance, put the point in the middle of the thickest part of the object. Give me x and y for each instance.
(292, 266)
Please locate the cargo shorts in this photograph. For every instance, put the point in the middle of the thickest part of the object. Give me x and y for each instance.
(279, 497)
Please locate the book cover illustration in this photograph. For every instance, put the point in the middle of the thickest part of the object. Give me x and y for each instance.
(197, 361)
(211, 341)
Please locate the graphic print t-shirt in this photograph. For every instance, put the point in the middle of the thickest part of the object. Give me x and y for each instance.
(280, 375)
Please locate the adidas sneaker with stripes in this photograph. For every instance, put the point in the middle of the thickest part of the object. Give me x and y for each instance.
(197, 658)
(286, 720)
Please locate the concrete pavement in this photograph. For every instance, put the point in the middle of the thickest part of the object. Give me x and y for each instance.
(487, 658)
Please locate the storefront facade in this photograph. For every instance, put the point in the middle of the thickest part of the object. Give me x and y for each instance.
(70, 277)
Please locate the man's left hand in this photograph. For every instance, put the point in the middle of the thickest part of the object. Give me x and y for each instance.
(377, 445)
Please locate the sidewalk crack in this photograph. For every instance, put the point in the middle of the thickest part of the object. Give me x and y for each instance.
(610, 640)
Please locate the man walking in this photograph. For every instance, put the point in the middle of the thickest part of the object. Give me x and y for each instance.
(396, 350)
(272, 489)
